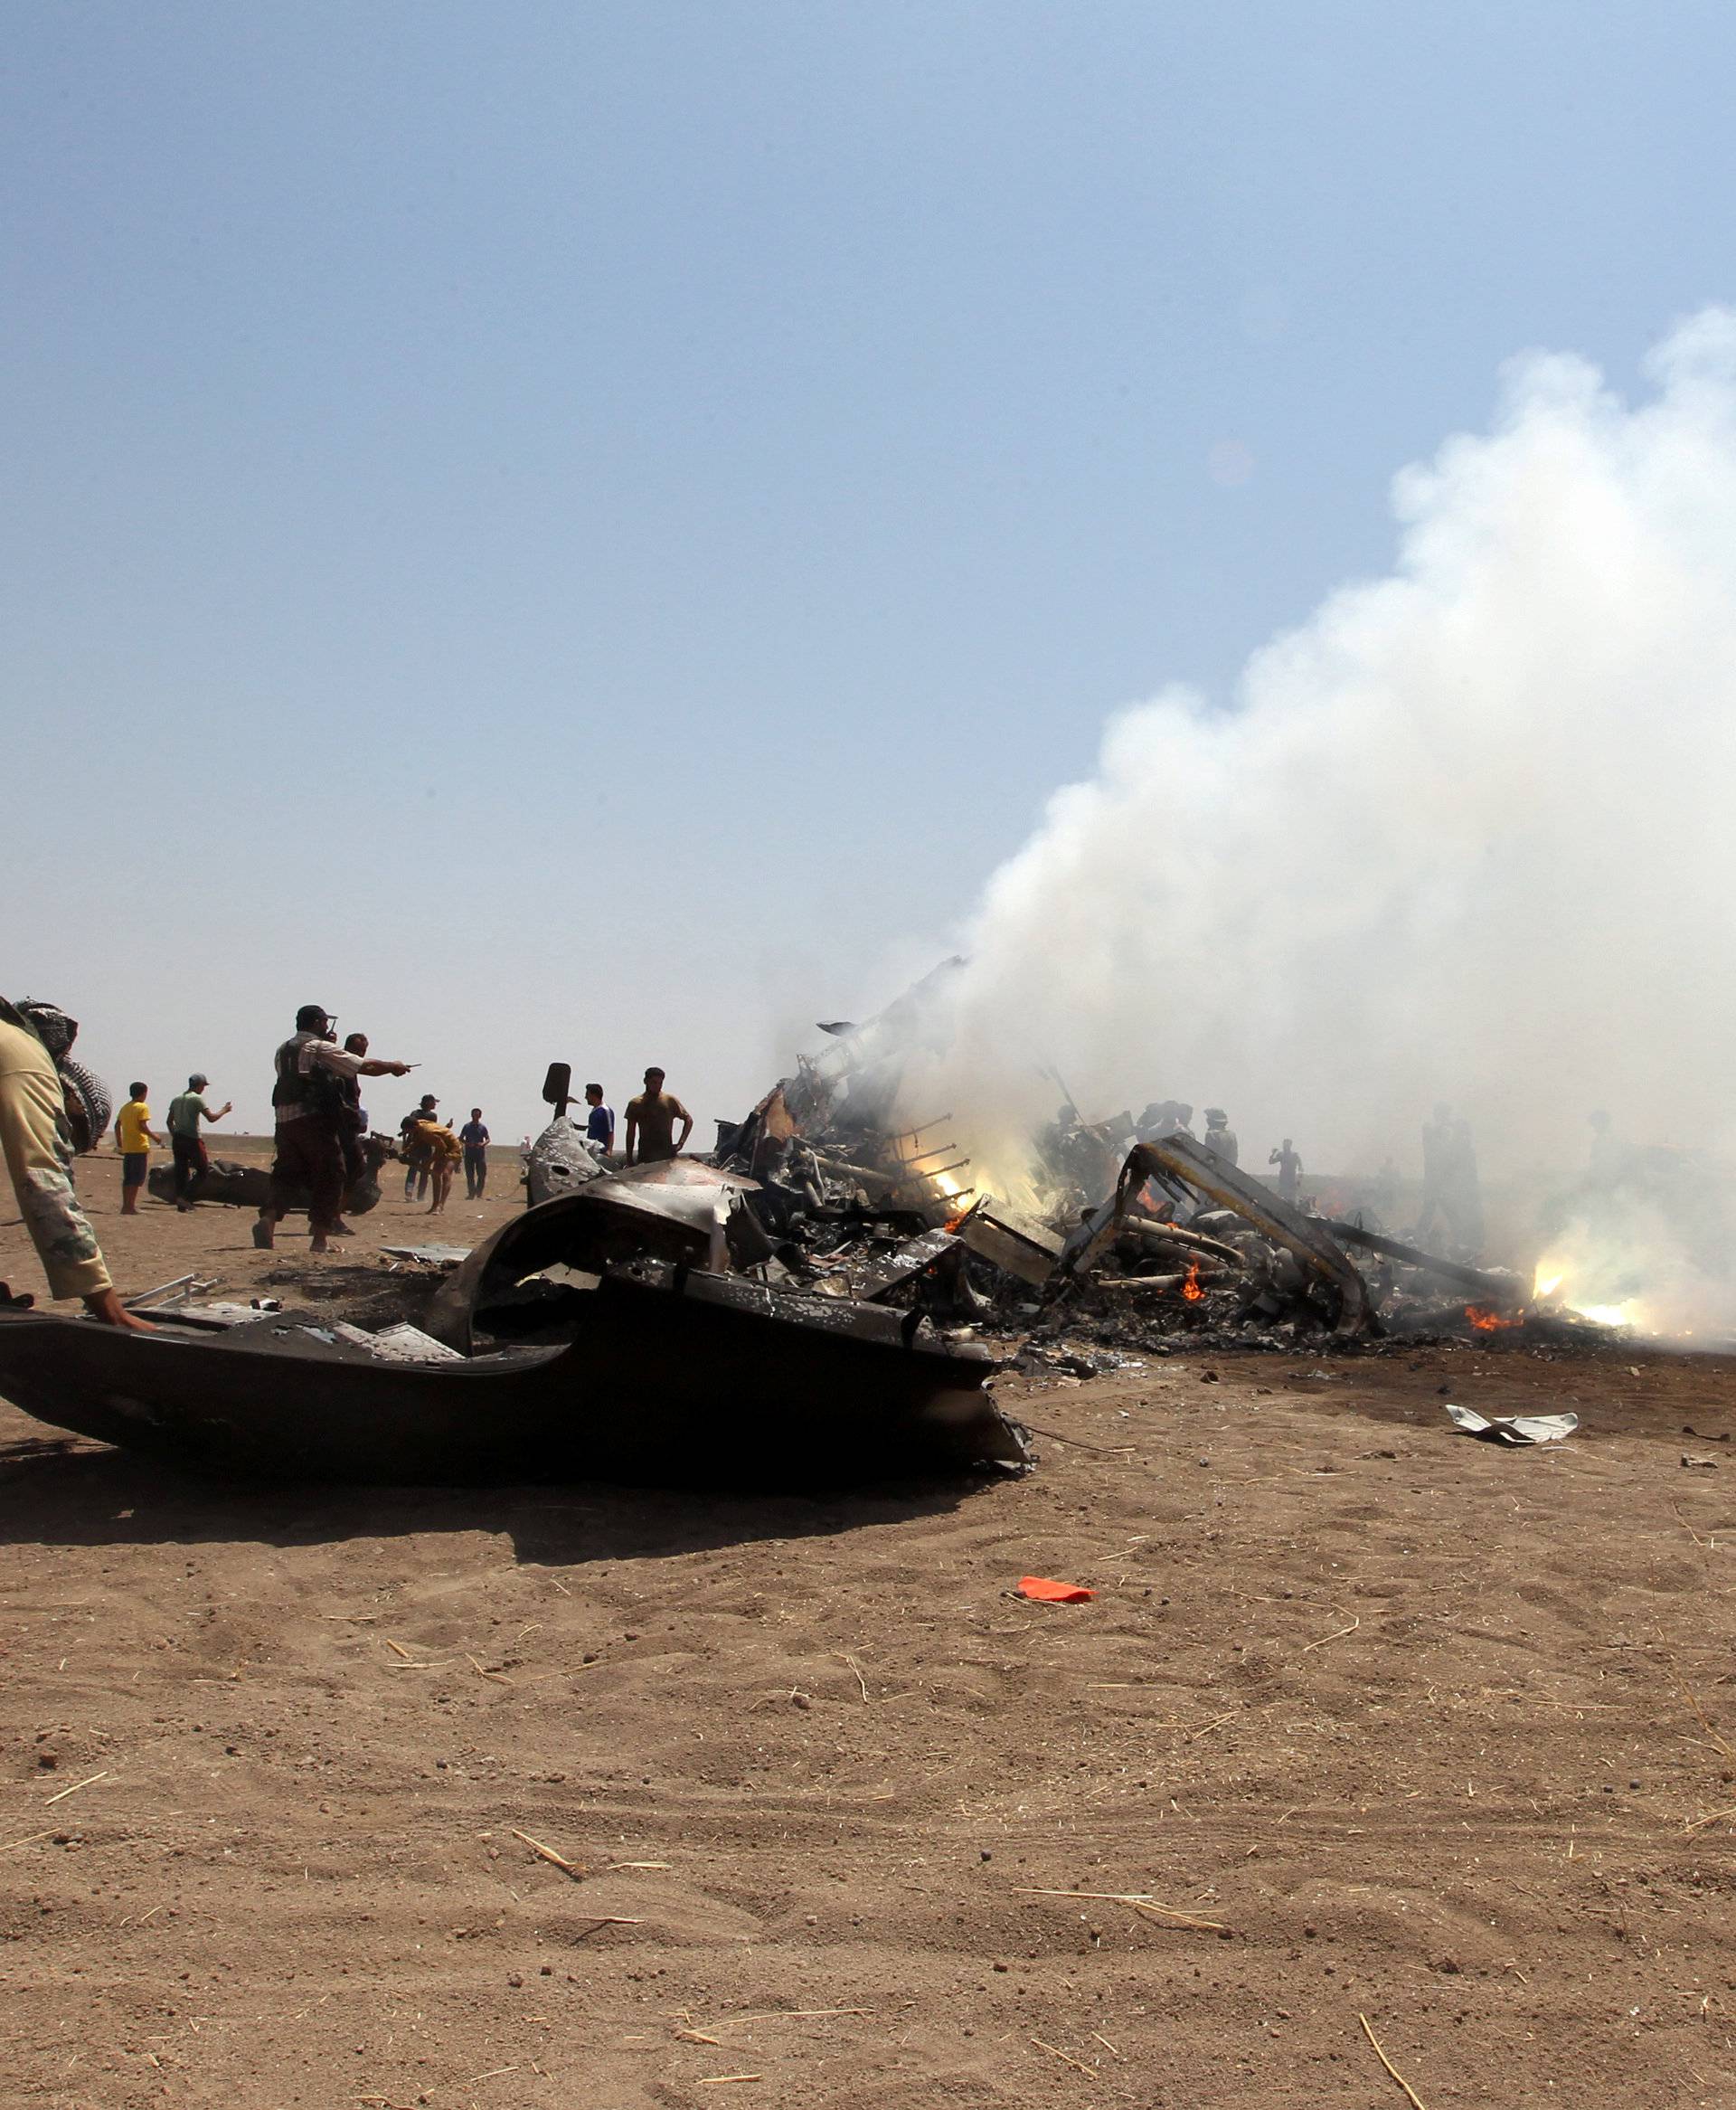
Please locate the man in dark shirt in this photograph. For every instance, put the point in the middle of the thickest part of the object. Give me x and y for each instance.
(352, 1124)
(474, 1136)
(600, 1123)
(651, 1119)
(307, 1105)
(418, 1161)
(1437, 1169)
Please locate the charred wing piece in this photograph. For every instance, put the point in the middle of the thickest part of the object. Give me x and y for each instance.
(1180, 1158)
(674, 1210)
(669, 1377)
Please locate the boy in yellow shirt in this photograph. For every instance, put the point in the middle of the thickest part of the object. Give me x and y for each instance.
(134, 1136)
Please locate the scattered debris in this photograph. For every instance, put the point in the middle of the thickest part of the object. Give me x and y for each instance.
(435, 1257)
(1181, 1168)
(166, 1293)
(401, 1344)
(217, 1314)
(89, 1781)
(1066, 2058)
(1139, 1901)
(1515, 1429)
(1045, 1590)
(562, 1158)
(547, 1854)
(1012, 1241)
(1416, 2100)
(1504, 1290)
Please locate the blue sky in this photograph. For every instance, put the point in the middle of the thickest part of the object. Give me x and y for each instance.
(589, 532)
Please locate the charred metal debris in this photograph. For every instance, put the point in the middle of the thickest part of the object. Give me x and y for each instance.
(823, 1299)
(1145, 1238)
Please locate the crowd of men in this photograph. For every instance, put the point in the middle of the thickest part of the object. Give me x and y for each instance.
(51, 1109)
(321, 1123)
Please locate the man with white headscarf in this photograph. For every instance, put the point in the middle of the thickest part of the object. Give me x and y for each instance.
(49, 1107)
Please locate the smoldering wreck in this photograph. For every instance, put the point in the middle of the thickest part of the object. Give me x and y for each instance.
(823, 1298)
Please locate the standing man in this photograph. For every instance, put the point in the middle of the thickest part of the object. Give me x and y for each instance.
(353, 1126)
(1437, 1169)
(192, 1160)
(1289, 1171)
(474, 1136)
(134, 1136)
(1464, 1197)
(600, 1123)
(308, 1102)
(651, 1119)
(1219, 1137)
(418, 1158)
(48, 1108)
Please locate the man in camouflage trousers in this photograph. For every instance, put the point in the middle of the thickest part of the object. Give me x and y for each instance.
(37, 1137)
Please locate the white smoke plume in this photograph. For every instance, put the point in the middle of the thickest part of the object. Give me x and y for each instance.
(1466, 834)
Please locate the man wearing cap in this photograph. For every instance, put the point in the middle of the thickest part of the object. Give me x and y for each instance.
(49, 1107)
(419, 1155)
(192, 1160)
(475, 1138)
(1219, 1137)
(651, 1120)
(307, 1100)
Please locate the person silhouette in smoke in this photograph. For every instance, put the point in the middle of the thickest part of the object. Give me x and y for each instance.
(1437, 1152)
(1290, 1170)
(1605, 1168)
(1464, 1196)
(1219, 1137)
(1451, 1188)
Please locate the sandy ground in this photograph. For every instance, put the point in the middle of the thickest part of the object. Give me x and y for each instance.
(1384, 1723)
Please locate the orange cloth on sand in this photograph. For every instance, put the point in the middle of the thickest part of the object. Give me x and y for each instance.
(1046, 1592)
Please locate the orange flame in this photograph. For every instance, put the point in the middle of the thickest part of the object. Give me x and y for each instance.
(1191, 1287)
(1487, 1322)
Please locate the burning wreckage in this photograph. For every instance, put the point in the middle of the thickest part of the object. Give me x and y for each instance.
(1130, 1235)
(809, 1306)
